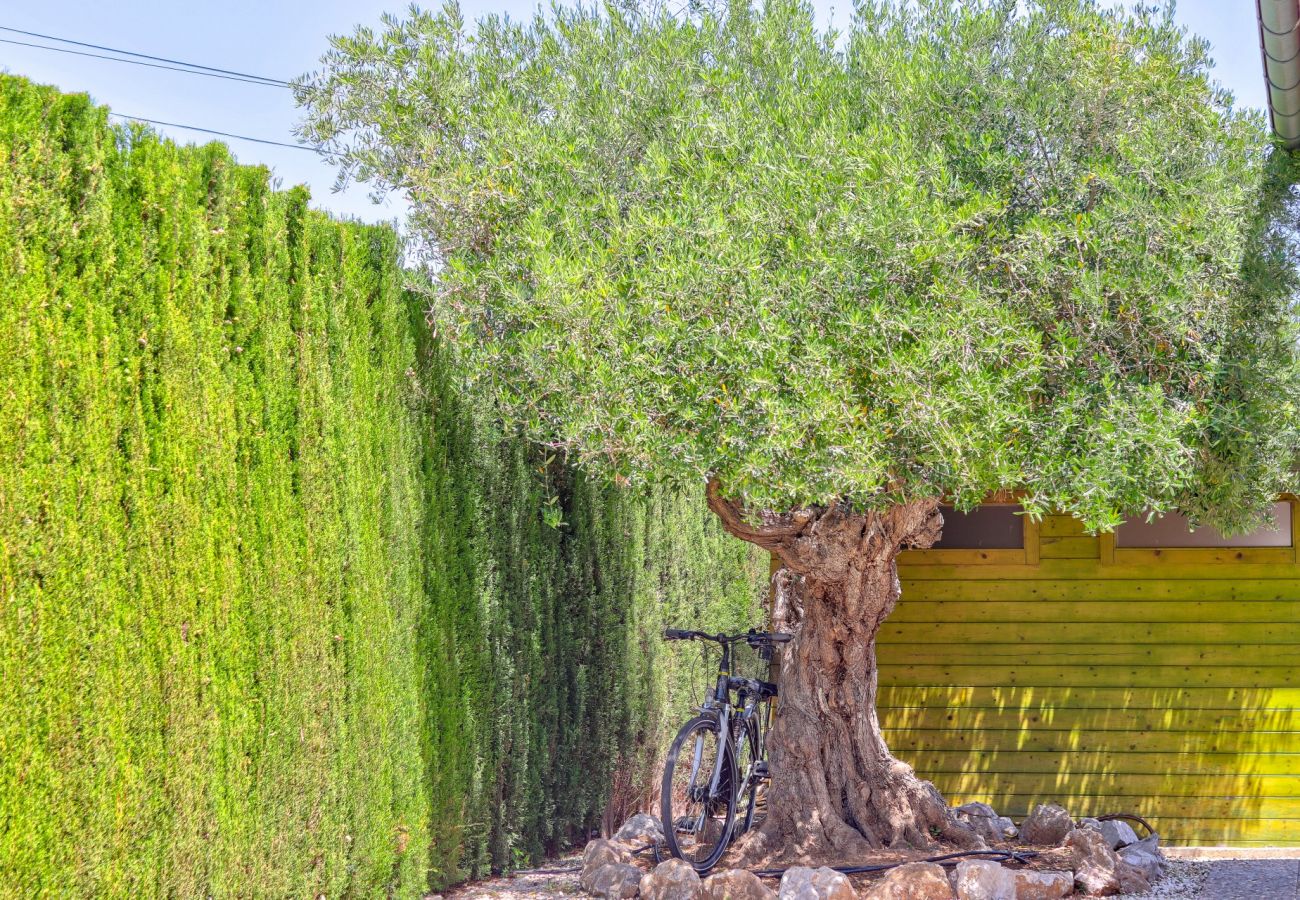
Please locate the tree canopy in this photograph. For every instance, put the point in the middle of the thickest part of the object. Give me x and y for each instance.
(952, 249)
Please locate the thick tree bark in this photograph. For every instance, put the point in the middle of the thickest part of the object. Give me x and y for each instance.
(836, 790)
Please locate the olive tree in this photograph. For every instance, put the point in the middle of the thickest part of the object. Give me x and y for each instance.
(840, 277)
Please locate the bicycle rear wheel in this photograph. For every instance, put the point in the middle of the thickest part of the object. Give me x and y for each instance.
(698, 808)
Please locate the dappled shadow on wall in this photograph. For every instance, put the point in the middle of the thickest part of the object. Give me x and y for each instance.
(1172, 692)
(1203, 764)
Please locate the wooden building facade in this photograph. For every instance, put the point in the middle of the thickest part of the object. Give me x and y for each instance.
(1154, 671)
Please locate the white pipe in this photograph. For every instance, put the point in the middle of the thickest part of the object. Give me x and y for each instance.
(1279, 41)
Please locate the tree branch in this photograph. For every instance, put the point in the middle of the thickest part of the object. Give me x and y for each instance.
(772, 532)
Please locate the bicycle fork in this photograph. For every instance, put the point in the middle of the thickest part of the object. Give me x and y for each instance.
(724, 723)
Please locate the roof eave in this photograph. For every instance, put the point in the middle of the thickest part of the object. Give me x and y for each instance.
(1279, 43)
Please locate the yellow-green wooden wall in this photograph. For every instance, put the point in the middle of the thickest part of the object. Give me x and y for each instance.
(1163, 683)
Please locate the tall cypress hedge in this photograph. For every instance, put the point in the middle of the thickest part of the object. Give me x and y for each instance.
(281, 613)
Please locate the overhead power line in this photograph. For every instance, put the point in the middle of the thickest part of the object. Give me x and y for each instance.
(162, 59)
(137, 62)
(224, 134)
(162, 62)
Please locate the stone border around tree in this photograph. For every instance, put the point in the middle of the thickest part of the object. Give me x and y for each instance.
(1104, 858)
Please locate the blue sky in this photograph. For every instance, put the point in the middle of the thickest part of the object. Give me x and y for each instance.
(283, 38)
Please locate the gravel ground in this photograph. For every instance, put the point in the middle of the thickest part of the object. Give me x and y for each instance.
(1184, 880)
(1252, 879)
(558, 878)
(1225, 879)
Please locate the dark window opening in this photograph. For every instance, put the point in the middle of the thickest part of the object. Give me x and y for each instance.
(983, 528)
(1173, 530)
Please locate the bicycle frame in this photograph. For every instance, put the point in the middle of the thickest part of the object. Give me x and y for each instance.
(719, 703)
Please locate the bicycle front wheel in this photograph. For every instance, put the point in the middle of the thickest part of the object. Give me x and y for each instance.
(698, 799)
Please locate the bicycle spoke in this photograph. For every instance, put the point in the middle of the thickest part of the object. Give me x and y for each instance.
(697, 804)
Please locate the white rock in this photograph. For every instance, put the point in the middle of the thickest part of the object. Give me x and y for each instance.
(613, 881)
(1143, 860)
(1046, 826)
(736, 884)
(1095, 864)
(976, 809)
(1033, 885)
(912, 881)
(1149, 844)
(1118, 833)
(983, 879)
(803, 883)
(640, 830)
(674, 879)
(601, 852)
(986, 822)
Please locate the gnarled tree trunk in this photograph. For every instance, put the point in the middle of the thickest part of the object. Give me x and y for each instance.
(836, 790)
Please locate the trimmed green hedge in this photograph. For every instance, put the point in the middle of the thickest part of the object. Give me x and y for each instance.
(280, 614)
(555, 691)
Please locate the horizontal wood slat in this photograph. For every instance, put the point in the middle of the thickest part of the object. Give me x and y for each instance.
(1123, 698)
(1087, 657)
(1179, 556)
(1060, 613)
(1167, 685)
(933, 763)
(1060, 526)
(1005, 741)
(990, 673)
(1079, 547)
(1098, 589)
(1079, 634)
(1076, 569)
(1065, 718)
(1167, 795)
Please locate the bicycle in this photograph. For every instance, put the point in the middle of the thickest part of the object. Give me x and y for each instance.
(727, 759)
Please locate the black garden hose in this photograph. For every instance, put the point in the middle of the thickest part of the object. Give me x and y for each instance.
(1128, 817)
(948, 859)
